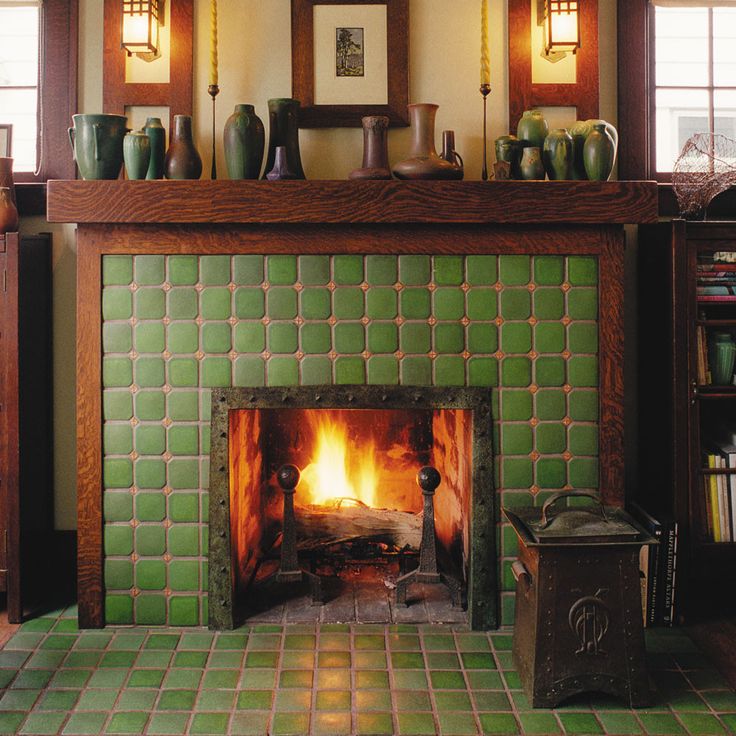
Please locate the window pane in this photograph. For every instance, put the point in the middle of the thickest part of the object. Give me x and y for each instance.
(724, 47)
(18, 107)
(18, 47)
(680, 113)
(725, 112)
(681, 46)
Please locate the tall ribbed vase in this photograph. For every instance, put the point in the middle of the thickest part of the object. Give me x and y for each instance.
(244, 140)
(157, 135)
(182, 159)
(283, 118)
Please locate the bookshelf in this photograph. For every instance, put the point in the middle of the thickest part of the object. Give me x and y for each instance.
(687, 398)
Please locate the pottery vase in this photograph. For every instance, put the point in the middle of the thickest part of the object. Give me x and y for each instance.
(531, 163)
(157, 136)
(182, 159)
(136, 154)
(6, 175)
(721, 356)
(557, 155)
(281, 170)
(532, 128)
(423, 161)
(8, 212)
(283, 118)
(97, 142)
(598, 153)
(245, 139)
(508, 149)
(449, 153)
(375, 149)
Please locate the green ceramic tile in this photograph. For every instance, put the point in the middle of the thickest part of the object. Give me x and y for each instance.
(516, 405)
(483, 372)
(182, 303)
(347, 270)
(282, 337)
(584, 472)
(482, 338)
(381, 270)
(117, 405)
(515, 304)
(149, 337)
(150, 372)
(183, 541)
(184, 575)
(281, 303)
(381, 303)
(290, 724)
(177, 700)
(118, 574)
(315, 303)
(407, 660)
(583, 371)
(448, 303)
(549, 303)
(414, 270)
(184, 611)
(184, 506)
(117, 303)
(580, 723)
(416, 371)
(216, 337)
(183, 372)
(150, 540)
(118, 610)
(383, 370)
(410, 679)
(348, 303)
(315, 371)
(549, 337)
(413, 700)
(583, 439)
(149, 303)
(549, 371)
(249, 371)
(514, 270)
(517, 473)
(449, 371)
(516, 439)
(549, 270)
(117, 439)
(249, 337)
(374, 724)
(117, 372)
(582, 304)
(248, 270)
(150, 439)
(582, 270)
(448, 270)
(183, 337)
(314, 269)
(117, 473)
(117, 270)
(516, 372)
(482, 304)
(149, 270)
(551, 472)
(583, 406)
(214, 303)
(661, 724)
(619, 723)
(516, 337)
(333, 700)
(117, 506)
(281, 270)
(214, 270)
(282, 371)
(149, 609)
(250, 303)
(209, 723)
(416, 724)
(182, 406)
(383, 337)
(216, 372)
(551, 439)
(349, 337)
(150, 473)
(550, 404)
(415, 303)
(117, 337)
(315, 337)
(448, 338)
(183, 270)
(481, 270)
(583, 337)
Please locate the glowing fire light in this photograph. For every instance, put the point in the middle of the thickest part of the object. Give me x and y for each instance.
(338, 469)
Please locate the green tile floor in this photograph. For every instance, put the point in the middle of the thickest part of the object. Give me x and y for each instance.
(331, 679)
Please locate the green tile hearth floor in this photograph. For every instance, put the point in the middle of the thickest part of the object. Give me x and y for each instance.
(331, 679)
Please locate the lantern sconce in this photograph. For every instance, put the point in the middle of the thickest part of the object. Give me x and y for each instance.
(142, 20)
(561, 19)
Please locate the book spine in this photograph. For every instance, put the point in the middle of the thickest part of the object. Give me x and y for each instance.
(668, 576)
(655, 555)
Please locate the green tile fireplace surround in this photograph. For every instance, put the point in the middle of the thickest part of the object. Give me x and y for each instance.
(284, 286)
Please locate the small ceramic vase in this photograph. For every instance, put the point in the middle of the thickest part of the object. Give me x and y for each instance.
(557, 155)
(283, 118)
(8, 212)
(182, 159)
(97, 142)
(280, 170)
(245, 139)
(599, 152)
(157, 135)
(6, 175)
(721, 356)
(531, 163)
(423, 161)
(532, 128)
(375, 149)
(136, 154)
(449, 153)
(508, 149)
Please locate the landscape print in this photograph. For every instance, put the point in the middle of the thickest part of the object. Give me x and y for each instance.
(350, 52)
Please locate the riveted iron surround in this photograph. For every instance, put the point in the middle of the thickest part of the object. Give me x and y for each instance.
(482, 574)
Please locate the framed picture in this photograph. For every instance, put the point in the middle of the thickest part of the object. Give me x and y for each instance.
(349, 60)
(6, 139)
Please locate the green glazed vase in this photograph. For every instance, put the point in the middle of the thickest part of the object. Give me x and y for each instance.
(531, 164)
(245, 139)
(97, 142)
(508, 149)
(599, 153)
(557, 155)
(283, 119)
(157, 135)
(532, 128)
(136, 154)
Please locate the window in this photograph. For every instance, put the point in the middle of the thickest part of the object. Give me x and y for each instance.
(38, 85)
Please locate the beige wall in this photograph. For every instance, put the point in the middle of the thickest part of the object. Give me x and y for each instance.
(254, 66)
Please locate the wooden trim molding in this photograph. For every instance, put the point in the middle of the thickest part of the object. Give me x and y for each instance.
(525, 94)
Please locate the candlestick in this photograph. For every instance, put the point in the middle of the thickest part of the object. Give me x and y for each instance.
(213, 90)
(485, 56)
(213, 43)
(485, 90)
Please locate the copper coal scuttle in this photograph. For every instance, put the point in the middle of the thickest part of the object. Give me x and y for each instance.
(578, 624)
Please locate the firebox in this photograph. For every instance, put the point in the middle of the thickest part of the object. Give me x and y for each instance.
(304, 479)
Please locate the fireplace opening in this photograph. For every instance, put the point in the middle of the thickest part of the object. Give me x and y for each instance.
(373, 504)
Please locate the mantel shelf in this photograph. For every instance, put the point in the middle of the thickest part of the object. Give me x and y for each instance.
(332, 202)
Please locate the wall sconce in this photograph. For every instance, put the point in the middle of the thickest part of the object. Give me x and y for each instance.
(141, 22)
(561, 27)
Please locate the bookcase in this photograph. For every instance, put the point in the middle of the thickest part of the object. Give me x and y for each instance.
(686, 419)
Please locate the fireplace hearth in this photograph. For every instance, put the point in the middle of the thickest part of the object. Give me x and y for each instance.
(359, 519)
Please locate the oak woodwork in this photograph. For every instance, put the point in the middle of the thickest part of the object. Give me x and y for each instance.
(336, 217)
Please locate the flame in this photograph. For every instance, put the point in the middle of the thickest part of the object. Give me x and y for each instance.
(338, 468)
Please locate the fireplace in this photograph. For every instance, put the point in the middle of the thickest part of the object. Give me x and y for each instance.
(358, 508)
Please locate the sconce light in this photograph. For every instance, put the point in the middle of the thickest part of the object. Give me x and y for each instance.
(141, 22)
(561, 26)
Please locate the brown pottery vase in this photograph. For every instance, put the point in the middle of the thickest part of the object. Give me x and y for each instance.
(375, 149)
(8, 212)
(450, 154)
(6, 175)
(182, 159)
(423, 161)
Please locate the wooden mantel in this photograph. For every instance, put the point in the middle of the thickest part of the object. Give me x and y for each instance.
(334, 202)
(335, 217)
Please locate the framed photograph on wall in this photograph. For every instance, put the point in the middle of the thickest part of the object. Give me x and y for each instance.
(349, 60)
(6, 139)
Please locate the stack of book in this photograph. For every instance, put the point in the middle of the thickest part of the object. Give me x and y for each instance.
(720, 492)
(658, 568)
(716, 278)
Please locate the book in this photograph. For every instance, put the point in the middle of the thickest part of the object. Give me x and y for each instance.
(649, 562)
(714, 525)
(670, 537)
(727, 451)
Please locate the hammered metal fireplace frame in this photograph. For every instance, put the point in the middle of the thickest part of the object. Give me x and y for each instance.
(483, 591)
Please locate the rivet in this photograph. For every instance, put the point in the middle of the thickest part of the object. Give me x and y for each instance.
(223, 569)
(222, 502)
(223, 435)
(222, 535)
(351, 398)
(252, 398)
(318, 397)
(222, 468)
(284, 397)
(384, 397)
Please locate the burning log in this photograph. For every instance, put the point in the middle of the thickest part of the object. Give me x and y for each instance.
(348, 520)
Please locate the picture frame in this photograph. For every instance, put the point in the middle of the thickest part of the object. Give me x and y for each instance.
(6, 139)
(350, 59)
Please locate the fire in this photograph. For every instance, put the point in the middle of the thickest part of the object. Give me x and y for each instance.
(338, 468)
